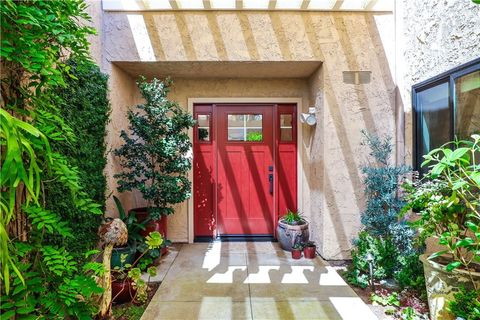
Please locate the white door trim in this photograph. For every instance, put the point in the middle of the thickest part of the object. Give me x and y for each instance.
(297, 101)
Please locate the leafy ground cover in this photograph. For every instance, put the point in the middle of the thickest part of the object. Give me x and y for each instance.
(389, 303)
(134, 310)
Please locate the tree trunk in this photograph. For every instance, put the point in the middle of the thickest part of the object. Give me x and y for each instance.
(106, 301)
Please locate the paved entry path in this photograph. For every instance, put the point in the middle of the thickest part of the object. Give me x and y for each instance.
(251, 280)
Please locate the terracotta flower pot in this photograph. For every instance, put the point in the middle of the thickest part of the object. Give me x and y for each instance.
(123, 291)
(309, 252)
(159, 225)
(296, 254)
(442, 285)
(290, 235)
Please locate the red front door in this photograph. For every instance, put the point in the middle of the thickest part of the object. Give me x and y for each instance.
(245, 170)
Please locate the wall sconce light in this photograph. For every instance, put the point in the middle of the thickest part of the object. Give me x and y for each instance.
(309, 118)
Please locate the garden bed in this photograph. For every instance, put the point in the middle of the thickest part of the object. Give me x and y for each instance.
(388, 303)
(134, 310)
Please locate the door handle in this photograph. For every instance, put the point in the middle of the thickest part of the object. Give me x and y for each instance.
(270, 181)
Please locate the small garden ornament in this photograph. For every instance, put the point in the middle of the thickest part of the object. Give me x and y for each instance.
(112, 233)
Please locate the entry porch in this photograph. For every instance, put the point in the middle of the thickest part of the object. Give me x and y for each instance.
(250, 280)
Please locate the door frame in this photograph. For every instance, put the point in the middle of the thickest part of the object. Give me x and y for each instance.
(243, 100)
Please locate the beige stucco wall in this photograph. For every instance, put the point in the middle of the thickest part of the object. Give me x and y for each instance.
(94, 10)
(432, 37)
(335, 154)
(331, 153)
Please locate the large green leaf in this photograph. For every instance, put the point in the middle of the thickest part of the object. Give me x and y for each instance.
(453, 265)
(457, 154)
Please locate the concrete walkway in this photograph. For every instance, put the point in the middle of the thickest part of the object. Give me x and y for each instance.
(251, 280)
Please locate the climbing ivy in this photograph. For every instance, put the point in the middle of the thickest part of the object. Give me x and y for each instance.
(85, 109)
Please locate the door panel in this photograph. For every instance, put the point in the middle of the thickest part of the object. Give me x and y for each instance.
(204, 173)
(286, 158)
(244, 155)
(232, 194)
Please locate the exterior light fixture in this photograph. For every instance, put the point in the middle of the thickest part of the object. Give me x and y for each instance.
(309, 118)
(369, 257)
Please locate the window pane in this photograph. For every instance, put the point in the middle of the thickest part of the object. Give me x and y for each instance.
(467, 105)
(434, 118)
(245, 127)
(203, 127)
(286, 128)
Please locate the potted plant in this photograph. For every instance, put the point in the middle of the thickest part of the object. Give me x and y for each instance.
(155, 155)
(127, 284)
(447, 203)
(126, 254)
(292, 229)
(297, 251)
(309, 250)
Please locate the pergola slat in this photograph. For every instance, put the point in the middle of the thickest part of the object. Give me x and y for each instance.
(305, 4)
(338, 4)
(273, 5)
(174, 4)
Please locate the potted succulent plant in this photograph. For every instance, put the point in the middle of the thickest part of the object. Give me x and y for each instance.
(126, 254)
(297, 251)
(309, 250)
(155, 155)
(447, 202)
(292, 229)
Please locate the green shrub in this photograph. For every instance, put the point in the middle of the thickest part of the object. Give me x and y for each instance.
(466, 304)
(387, 239)
(409, 271)
(447, 201)
(383, 252)
(35, 36)
(85, 109)
(40, 278)
(382, 182)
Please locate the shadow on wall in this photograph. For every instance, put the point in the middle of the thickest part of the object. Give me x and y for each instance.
(331, 153)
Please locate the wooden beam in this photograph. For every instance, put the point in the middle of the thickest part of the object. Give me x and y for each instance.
(174, 4)
(272, 4)
(207, 5)
(370, 4)
(239, 4)
(305, 4)
(337, 5)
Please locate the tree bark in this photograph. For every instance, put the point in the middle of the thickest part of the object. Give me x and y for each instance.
(106, 302)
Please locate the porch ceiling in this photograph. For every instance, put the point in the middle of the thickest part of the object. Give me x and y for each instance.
(221, 69)
(304, 5)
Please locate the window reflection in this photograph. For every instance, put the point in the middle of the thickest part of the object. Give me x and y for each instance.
(203, 127)
(467, 105)
(435, 117)
(286, 128)
(245, 127)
